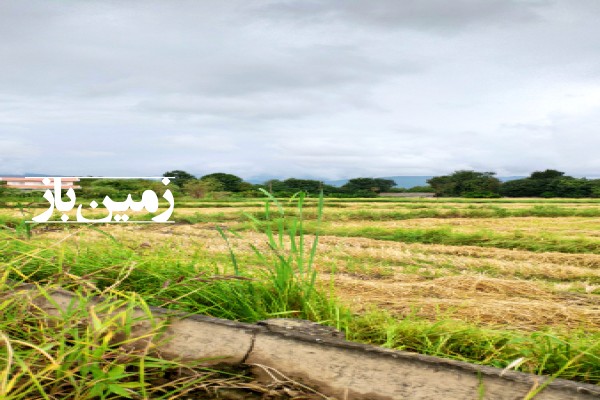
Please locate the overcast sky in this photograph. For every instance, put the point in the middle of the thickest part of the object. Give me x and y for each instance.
(328, 89)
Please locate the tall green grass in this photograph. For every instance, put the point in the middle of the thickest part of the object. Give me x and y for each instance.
(283, 287)
(88, 350)
(574, 355)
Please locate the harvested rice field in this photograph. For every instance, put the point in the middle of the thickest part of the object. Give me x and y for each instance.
(485, 281)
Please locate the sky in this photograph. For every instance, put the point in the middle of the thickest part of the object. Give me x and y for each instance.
(326, 89)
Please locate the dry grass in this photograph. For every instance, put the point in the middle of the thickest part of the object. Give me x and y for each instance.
(507, 263)
(483, 285)
(563, 225)
(480, 300)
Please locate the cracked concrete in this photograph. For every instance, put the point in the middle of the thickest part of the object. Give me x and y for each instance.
(319, 356)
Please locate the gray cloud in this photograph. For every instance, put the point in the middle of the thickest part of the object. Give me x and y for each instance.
(431, 15)
(325, 89)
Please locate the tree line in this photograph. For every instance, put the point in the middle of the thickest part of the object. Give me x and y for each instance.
(548, 183)
(463, 183)
(220, 184)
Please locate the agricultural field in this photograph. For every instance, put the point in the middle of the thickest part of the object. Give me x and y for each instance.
(497, 282)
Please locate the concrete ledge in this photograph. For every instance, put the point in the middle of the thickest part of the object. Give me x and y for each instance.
(341, 369)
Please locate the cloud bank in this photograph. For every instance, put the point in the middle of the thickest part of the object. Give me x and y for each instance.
(327, 89)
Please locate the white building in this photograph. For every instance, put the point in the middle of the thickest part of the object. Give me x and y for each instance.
(37, 183)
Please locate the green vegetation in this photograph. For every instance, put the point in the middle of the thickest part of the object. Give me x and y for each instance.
(204, 188)
(363, 186)
(548, 183)
(551, 183)
(179, 177)
(46, 356)
(228, 182)
(544, 352)
(276, 276)
(466, 184)
(219, 185)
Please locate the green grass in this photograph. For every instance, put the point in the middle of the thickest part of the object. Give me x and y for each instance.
(544, 352)
(88, 350)
(65, 356)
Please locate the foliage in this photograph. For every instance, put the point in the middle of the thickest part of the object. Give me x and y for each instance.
(303, 185)
(87, 350)
(290, 260)
(374, 185)
(202, 188)
(288, 187)
(179, 177)
(464, 182)
(547, 174)
(549, 183)
(229, 182)
(118, 189)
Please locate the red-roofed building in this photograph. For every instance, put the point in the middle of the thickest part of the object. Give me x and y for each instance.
(38, 183)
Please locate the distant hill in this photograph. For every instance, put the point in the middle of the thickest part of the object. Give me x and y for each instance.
(258, 179)
(408, 182)
(401, 181)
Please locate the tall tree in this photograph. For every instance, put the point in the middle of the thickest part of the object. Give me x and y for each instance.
(231, 183)
(549, 183)
(466, 183)
(374, 185)
(547, 174)
(202, 188)
(304, 185)
(179, 177)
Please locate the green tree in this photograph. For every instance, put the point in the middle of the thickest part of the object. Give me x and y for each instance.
(571, 187)
(304, 185)
(114, 188)
(595, 183)
(202, 188)
(179, 177)
(364, 185)
(466, 183)
(549, 183)
(547, 174)
(522, 188)
(231, 183)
